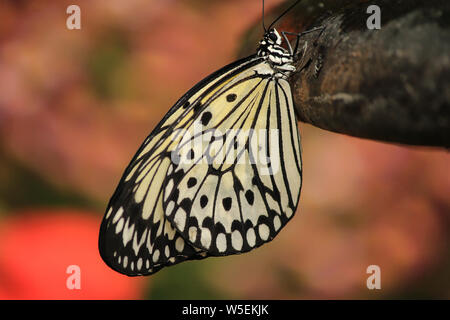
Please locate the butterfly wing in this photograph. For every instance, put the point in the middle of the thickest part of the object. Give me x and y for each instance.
(136, 237)
(235, 178)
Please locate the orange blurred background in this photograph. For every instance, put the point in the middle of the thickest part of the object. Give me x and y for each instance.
(76, 104)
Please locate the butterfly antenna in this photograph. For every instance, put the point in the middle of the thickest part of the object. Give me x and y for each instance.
(264, 26)
(285, 11)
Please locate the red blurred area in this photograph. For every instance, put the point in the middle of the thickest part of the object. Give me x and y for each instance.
(38, 246)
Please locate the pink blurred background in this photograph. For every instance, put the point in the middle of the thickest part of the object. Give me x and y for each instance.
(76, 104)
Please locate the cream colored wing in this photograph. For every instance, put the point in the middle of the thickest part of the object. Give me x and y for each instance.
(135, 236)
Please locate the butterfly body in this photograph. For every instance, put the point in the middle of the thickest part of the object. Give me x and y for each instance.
(219, 175)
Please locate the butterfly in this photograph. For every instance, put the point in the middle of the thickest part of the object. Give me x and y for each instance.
(219, 175)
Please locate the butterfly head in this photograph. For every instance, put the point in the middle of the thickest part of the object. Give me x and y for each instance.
(278, 57)
(273, 37)
(271, 40)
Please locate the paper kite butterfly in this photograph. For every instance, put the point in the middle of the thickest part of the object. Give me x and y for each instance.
(219, 175)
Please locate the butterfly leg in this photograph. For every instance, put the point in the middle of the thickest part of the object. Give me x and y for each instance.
(298, 35)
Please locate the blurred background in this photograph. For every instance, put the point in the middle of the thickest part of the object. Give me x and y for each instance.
(76, 104)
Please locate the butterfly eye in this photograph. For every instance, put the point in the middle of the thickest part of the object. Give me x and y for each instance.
(273, 36)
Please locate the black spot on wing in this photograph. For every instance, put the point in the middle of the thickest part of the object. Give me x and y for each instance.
(206, 117)
(197, 107)
(227, 202)
(231, 97)
(191, 182)
(191, 154)
(186, 204)
(203, 201)
(250, 197)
